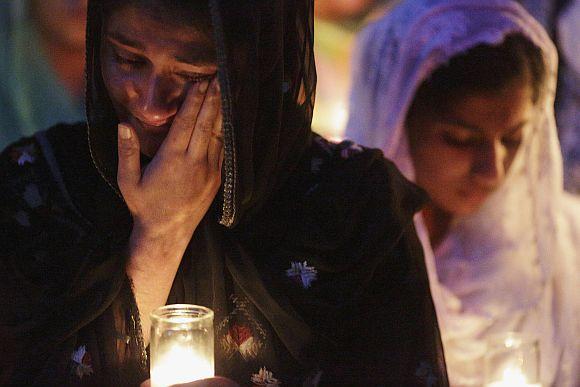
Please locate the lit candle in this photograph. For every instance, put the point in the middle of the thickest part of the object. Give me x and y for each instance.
(512, 360)
(180, 365)
(181, 344)
(513, 377)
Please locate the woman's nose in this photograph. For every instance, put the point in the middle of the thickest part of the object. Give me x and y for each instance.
(489, 165)
(157, 99)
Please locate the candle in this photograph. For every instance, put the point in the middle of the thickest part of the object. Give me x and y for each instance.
(181, 344)
(513, 377)
(512, 360)
(180, 365)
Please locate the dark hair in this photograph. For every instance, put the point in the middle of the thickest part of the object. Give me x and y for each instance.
(482, 69)
(193, 13)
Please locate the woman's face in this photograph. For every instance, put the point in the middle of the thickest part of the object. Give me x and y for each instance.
(148, 66)
(462, 155)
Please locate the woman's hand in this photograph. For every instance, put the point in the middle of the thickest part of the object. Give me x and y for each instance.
(175, 190)
(217, 381)
(171, 196)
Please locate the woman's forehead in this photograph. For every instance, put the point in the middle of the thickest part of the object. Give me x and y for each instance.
(506, 109)
(136, 28)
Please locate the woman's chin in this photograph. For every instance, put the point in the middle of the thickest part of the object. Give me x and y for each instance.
(466, 208)
(458, 206)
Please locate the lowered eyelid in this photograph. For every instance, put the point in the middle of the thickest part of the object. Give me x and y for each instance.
(460, 142)
(459, 131)
(119, 51)
(516, 129)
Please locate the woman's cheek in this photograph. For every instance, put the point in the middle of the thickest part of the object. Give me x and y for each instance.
(450, 164)
(118, 85)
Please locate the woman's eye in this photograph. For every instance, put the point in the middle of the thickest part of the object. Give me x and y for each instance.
(196, 77)
(128, 61)
(460, 142)
(512, 142)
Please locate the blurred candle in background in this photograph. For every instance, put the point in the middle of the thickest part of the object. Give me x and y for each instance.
(512, 360)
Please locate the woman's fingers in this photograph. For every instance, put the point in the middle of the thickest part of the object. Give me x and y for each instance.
(129, 167)
(205, 127)
(185, 120)
(216, 143)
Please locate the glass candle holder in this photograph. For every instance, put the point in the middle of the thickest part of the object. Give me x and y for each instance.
(181, 344)
(512, 360)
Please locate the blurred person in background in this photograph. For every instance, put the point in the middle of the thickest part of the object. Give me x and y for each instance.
(460, 94)
(561, 19)
(337, 22)
(42, 59)
(568, 97)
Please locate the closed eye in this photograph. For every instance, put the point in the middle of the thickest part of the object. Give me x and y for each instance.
(513, 137)
(512, 142)
(461, 141)
(196, 77)
(128, 60)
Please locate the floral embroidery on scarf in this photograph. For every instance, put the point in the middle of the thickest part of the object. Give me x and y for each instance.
(23, 155)
(426, 374)
(82, 365)
(240, 338)
(264, 378)
(301, 273)
(240, 333)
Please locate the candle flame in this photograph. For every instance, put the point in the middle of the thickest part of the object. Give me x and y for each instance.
(180, 365)
(514, 377)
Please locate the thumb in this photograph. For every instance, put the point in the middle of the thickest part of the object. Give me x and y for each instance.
(129, 168)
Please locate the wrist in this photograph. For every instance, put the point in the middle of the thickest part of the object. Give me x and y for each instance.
(157, 248)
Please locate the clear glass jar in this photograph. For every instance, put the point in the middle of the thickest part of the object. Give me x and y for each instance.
(512, 359)
(182, 344)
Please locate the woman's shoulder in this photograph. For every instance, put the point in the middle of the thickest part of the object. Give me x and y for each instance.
(44, 236)
(31, 159)
(24, 174)
(340, 194)
(30, 184)
(365, 171)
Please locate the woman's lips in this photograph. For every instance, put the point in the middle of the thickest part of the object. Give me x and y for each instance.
(154, 126)
(155, 123)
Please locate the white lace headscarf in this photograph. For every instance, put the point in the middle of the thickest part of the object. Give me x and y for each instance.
(513, 265)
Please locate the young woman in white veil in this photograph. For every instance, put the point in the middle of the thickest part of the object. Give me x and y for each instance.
(501, 238)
